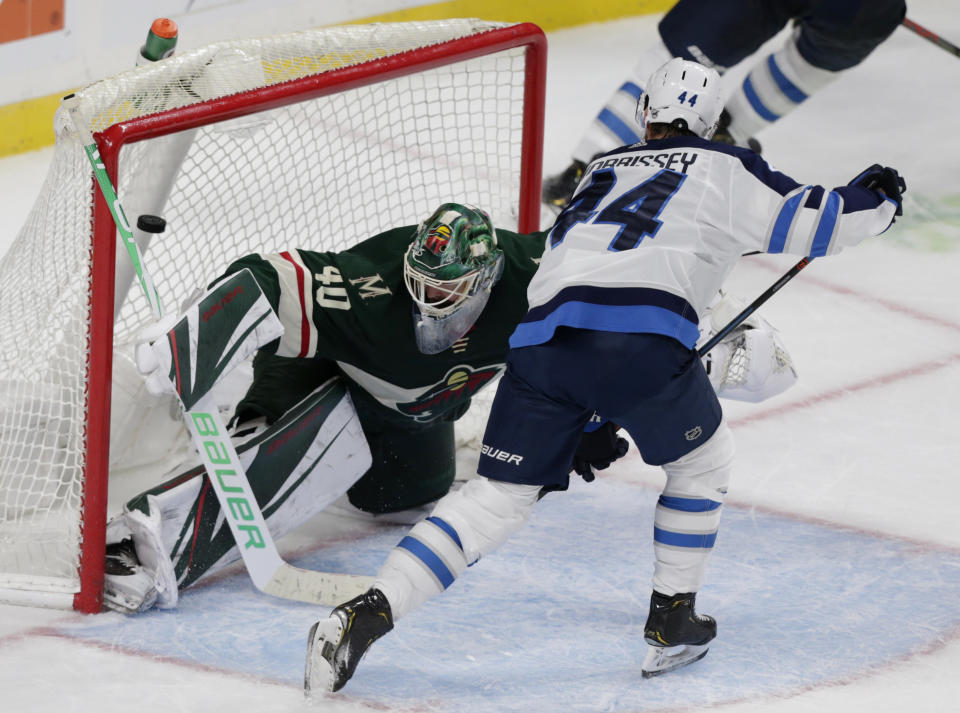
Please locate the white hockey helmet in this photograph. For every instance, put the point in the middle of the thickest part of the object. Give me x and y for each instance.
(449, 269)
(682, 91)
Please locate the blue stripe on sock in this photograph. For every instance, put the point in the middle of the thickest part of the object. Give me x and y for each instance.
(448, 528)
(688, 504)
(754, 99)
(632, 89)
(613, 122)
(429, 558)
(789, 89)
(678, 539)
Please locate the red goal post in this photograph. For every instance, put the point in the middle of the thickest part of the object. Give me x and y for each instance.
(317, 139)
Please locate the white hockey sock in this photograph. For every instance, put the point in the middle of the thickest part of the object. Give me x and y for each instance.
(616, 124)
(775, 86)
(466, 524)
(688, 514)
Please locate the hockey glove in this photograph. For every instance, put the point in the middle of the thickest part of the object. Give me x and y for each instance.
(598, 449)
(884, 179)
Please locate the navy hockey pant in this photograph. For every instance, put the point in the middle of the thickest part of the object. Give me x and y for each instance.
(650, 385)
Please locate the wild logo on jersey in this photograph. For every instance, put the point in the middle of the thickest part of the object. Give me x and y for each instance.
(460, 384)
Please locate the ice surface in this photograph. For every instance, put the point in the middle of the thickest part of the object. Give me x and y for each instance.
(836, 577)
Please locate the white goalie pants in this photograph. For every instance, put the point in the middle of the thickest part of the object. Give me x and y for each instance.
(476, 519)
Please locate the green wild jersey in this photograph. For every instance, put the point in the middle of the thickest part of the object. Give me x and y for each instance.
(352, 308)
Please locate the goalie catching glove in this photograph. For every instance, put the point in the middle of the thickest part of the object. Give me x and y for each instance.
(186, 355)
(749, 364)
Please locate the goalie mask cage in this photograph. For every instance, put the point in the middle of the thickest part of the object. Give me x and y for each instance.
(315, 139)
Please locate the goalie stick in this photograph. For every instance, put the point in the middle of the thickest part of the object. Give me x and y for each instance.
(269, 572)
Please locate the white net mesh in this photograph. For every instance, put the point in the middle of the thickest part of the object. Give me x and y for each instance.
(321, 173)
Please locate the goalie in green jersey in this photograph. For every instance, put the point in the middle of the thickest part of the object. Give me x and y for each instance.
(396, 335)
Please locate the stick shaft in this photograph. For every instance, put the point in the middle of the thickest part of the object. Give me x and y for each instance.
(92, 153)
(932, 36)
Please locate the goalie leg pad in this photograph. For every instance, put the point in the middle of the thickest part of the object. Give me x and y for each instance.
(466, 524)
(687, 517)
(222, 329)
(296, 467)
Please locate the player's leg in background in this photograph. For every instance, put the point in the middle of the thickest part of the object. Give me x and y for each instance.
(718, 34)
(828, 38)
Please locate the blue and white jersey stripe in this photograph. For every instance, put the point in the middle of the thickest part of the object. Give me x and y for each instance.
(654, 229)
(610, 309)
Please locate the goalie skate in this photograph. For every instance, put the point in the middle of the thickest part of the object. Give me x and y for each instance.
(128, 587)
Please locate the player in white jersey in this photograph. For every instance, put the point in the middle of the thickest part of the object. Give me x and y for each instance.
(828, 37)
(645, 242)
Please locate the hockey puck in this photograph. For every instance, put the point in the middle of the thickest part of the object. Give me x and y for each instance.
(151, 224)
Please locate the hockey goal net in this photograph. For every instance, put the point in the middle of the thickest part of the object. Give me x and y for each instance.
(317, 139)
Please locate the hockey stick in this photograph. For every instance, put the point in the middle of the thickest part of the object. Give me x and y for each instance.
(935, 38)
(269, 572)
(753, 306)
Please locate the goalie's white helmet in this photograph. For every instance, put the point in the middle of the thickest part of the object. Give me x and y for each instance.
(449, 269)
(682, 91)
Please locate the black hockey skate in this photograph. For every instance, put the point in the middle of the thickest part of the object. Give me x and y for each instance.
(336, 644)
(722, 134)
(676, 633)
(558, 189)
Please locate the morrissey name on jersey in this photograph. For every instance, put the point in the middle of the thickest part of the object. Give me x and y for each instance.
(675, 161)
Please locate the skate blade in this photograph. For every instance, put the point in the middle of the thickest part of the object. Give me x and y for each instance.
(661, 659)
(318, 676)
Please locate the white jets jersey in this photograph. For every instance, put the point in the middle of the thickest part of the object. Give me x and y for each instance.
(653, 231)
